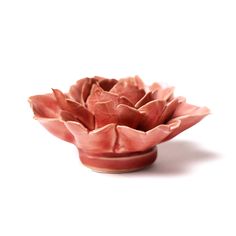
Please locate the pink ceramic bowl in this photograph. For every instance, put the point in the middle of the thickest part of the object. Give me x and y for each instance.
(115, 124)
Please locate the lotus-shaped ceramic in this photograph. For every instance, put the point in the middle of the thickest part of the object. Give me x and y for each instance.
(115, 124)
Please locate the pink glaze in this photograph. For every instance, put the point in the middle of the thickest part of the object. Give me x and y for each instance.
(115, 123)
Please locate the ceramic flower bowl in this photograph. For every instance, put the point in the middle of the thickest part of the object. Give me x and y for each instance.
(115, 124)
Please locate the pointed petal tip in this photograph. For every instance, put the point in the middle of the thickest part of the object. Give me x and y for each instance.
(97, 141)
(202, 111)
(103, 128)
(207, 111)
(29, 99)
(34, 98)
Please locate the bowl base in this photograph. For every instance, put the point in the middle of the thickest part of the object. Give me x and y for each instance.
(118, 163)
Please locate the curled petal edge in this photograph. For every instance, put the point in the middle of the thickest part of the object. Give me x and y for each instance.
(99, 140)
(188, 121)
(131, 140)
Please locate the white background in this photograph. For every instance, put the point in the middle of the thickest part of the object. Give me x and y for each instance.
(190, 190)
